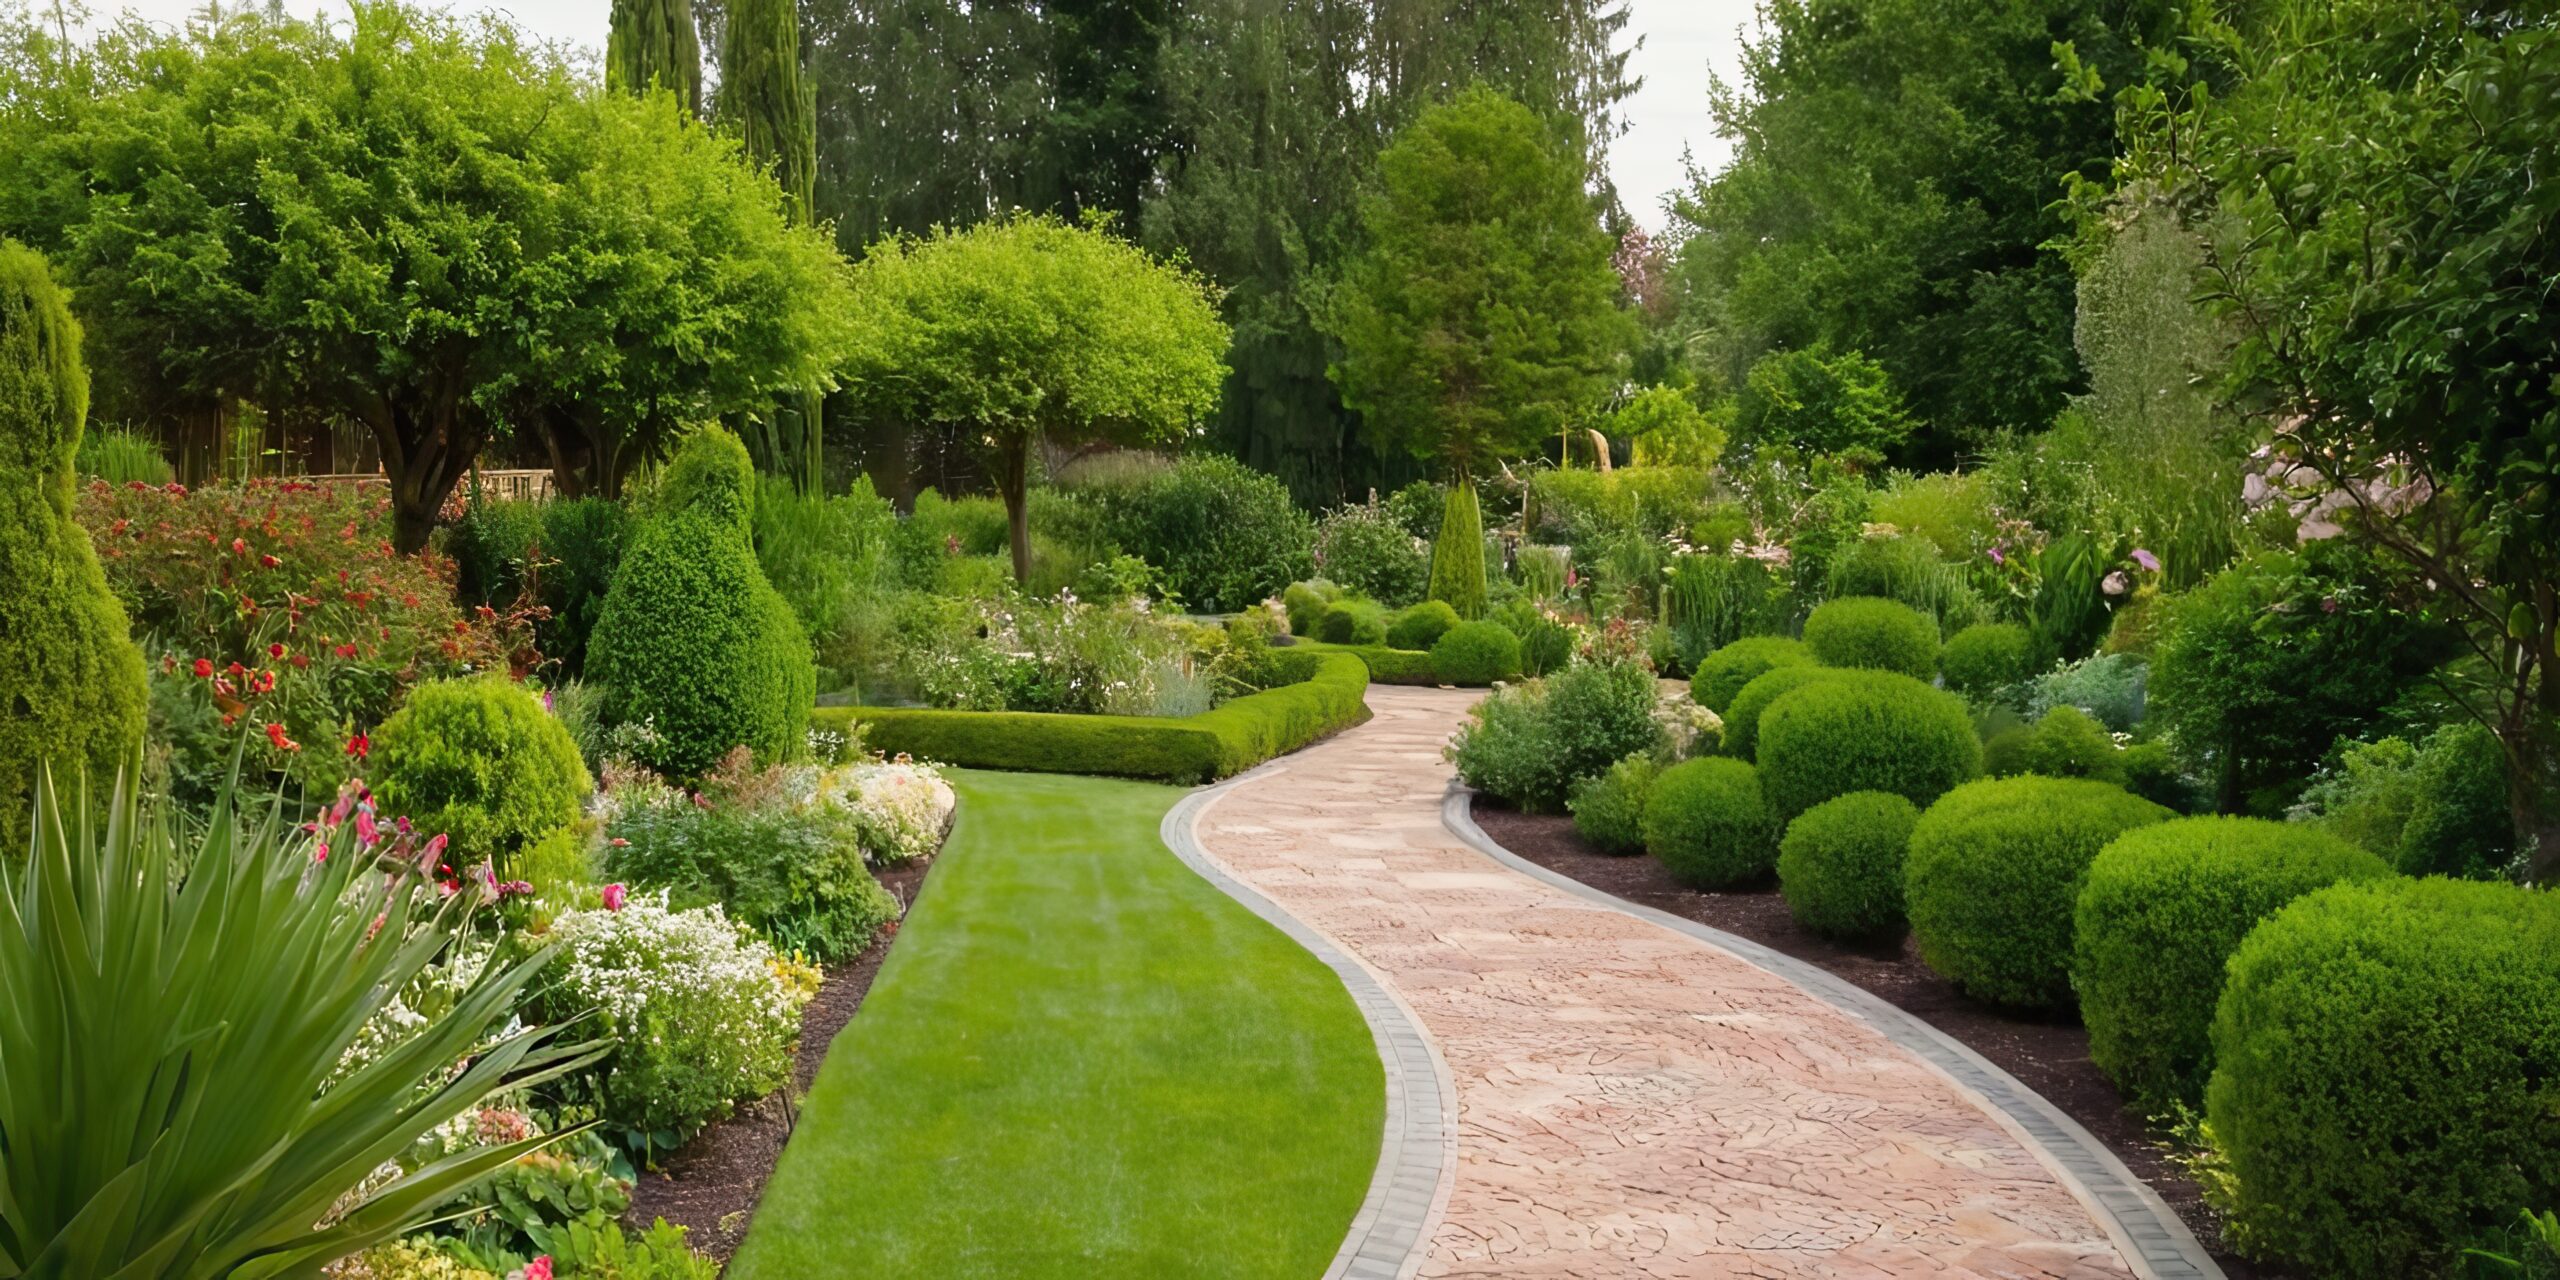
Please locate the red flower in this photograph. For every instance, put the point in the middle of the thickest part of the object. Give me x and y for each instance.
(236, 669)
(275, 734)
(613, 897)
(359, 746)
(204, 668)
(275, 650)
(266, 682)
(268, 562)
(300, 660)
(239, 547)
(346, 650)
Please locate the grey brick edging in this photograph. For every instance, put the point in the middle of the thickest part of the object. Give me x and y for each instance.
(2145, 1230)
(1418, 1151)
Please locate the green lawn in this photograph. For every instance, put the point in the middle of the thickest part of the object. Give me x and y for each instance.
(1080, 1060)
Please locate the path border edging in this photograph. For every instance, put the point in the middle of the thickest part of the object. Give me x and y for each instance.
(1418, 1149)
(2154, 1242)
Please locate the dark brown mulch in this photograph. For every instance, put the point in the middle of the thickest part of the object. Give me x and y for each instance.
(2049, 1056)
(711, 1186)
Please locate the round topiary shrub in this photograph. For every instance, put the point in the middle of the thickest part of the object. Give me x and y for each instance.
(1870, 631)
(2386, 1063)
(1994, 872)
(1353, 621)
(694, 645)
(1742, 718)
(2163, 909)
(1984, 658)
(1476, 653)
(480, 761)
(1706, 823)
(71, 681)
(1608, 811)
(1840, 865)
(1305, 603)
(1877, 732)
(1720, 675)
(1421, 626)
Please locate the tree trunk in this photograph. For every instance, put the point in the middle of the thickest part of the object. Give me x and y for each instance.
(425, 451)
(1012, 467)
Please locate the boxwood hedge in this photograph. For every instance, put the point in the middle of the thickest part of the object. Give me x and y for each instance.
(1870, 631)
(1705, 821)
(1878, 732)
(1840, 865)
(1721, 675)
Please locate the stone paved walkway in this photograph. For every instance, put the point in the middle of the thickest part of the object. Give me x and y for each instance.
(1632, 1102)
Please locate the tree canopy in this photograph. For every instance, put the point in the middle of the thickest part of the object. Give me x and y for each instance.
(1483, 312)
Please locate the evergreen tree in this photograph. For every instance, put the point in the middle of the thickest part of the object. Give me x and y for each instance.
(772, 106)
(653, 44)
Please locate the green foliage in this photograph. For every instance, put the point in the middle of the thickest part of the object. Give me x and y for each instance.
(1840, 865)
(2379, 789)
(1546, 644)
(1608, 811)
(565, 549)
(1950, 510)
(1305, 602)
(1984, 658)
(788, 865)
(71, 683)
(1420, 627)
(1353, 621)
(1480, 217)
(1994, 871)
(2383, 1062)
(2064, 743)
(1529, 744)
(1417, 508)
(1664, 427)
(480, 761)
(1869, 732)
(1742, 715)
(1820, 403)
(1865, 631)
(1387, 666)
(1366, 550)
(1706, 823)
(148, 1135)
(1908, 570)
(1718, 677)
(652, 44)
(764, 99)
(1715, 601)
(830, 558)
(694, 642)
(1322, 696)
(1457, 553)
(2162, 911)
(1476, 653)
(1225, 536)
(123, 455)
(2113, 688)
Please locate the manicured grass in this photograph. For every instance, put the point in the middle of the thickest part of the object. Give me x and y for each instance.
(1080, 1060)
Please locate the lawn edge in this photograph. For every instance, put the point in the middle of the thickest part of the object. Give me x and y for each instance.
(1418, 1148)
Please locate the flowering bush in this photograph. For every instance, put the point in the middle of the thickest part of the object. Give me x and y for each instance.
(1058, 655)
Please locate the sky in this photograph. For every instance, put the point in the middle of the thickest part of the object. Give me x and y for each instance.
(1683, 41)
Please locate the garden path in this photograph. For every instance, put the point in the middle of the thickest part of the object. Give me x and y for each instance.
(1632, 1101)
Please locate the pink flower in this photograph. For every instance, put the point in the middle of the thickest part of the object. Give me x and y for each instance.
(1997, 557)
(365, 829)
(538, 1269)
(2149, 562)
(614, 894)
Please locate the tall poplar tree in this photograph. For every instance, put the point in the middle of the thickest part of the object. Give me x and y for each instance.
(772, 106)
(653, 43)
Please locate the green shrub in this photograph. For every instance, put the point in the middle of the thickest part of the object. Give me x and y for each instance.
(124, 455)
(480, 761)
(1420, 627)
(1386, 666)
(1713, 602)
(1417, 506)
(788, 866)
(1530, 744)
(829, 557)
(1720, 675)
(1984, 658)
(1840, 865)
(1608, 810)
(1305, 603)
(2111, 688)
(1457, 553)
(1353, 621)
(1705, 822)
(573, 545)
(2459, 823)
(1866, 631)
(559, 865)
(2066, 743)
(1546, 644)
(1476, 653)
(1874, 732)
(1742, 717)
(1907, 570)
(1224, 534)
(2386, 1064)
(1363, 548)
(71, 681)
(1993, 875)
(693, 642)
(2164, 907)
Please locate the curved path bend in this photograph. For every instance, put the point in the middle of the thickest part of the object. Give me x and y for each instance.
(1631, 1100)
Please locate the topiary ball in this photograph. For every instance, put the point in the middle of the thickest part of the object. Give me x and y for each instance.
(1608, 811)
(1876, 732)
(1742, 718)
(1421, 626)
(1870, 631)
(1985, 658)
(1353, 621)
(1993, 875)
(479, 761)
(1706, 823)
(1720, 675)
(2163, 909)
(1305, 603)
(2385, 1058)
(1840, 865)
(1476, 653)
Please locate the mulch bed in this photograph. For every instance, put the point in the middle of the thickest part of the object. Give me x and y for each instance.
(2050, 1056)
(711, 1186)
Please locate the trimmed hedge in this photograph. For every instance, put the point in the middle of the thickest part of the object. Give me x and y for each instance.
(1722, 674)
(1386, 666)
(1353, 621)
(1994, 874)
(1706, 823)
(1608, 811)
(1878, 732)
(1870, 631)
(2164, 908)
(1742, 719)
(1477, 653)
(1840, 865)
(1420, 627)
(1324, 698)
(480, 761)
(2387, 1061)
(1984, 658)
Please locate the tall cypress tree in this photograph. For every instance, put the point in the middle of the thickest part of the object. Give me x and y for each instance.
(772, 105)
(653, 42)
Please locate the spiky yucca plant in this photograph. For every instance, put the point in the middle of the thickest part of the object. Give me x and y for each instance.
(172, 1025)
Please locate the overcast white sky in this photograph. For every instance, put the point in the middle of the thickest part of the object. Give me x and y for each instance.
(1683, 40)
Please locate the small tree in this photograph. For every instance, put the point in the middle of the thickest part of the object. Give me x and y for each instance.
(653, 45)
(1030, 328)
(1666, 428)
(1822, 403)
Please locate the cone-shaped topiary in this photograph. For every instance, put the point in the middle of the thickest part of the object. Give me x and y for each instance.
(1457, 555)
(693, 643)
(71, 684)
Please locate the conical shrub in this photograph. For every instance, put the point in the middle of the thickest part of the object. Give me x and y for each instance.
(1457, 555)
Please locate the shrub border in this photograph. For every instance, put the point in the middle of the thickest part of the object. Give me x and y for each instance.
(1386, 665)
(2144, 1230)
(1323, 701)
